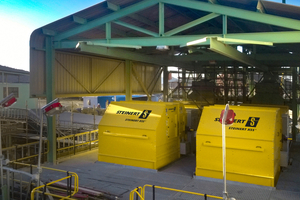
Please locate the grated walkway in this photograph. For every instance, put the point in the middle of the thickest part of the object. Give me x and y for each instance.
(118, 180)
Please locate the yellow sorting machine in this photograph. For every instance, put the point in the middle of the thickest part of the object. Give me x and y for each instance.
(141, 134)
(253, 145)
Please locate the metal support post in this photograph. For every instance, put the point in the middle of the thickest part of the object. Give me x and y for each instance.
(294, 102)
(166, 84)
(40, 152)
(3, 187)
(225, 194)
(50, 94)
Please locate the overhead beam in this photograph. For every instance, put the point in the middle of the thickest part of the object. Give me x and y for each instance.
(108, 31)
(112, 6)
(192, 24)
(110, 17)
(136, 28)
(124, 54)
(232, 53)
(161, 11)
(275, 37)
(238, 13)
(48, 32)
(79, 20)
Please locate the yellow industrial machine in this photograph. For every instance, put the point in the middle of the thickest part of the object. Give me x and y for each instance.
(141, 134)
(252, 145)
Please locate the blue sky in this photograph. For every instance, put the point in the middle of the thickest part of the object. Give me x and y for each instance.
(19, 18)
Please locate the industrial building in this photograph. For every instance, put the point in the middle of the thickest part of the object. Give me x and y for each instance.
(241, 53)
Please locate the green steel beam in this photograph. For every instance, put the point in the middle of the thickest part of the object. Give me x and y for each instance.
(124, 54)
(79, 20)
(191, 24)
(161, 19)
(136, 17)
(277, 57)
(238, 13)
(232, 53)
(128, 72)
(48, 32)
(50, 95)
(136, 28)
(108, 18)
(224, 18)
(108, 31)
(112, 6)
(275, 37)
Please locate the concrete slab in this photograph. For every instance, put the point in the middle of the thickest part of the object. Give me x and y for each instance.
(119, 180)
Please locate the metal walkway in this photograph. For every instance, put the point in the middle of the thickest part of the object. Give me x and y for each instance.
(118, 180)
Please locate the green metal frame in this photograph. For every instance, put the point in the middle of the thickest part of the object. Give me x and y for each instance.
(50, 95)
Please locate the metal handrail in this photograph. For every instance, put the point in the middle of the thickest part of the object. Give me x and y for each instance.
(72, 174)
(35, 190)
(142, 193)
(21, 146)
(70, 142)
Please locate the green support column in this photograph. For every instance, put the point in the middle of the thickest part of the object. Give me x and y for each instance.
(50, 95)
(161, 19)
(224, 18)
(166, 84)
(128, 89)
(294, 102)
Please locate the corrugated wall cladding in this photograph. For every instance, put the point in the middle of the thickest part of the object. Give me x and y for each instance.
(147, 74)
(83, 75)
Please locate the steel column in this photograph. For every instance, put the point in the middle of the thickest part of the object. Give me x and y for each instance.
(161, 19)
(224, 25)
(50, 95)
(166, 84)
(294, 102)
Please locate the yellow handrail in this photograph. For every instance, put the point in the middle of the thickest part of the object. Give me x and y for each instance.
(35, 190)
(72, 174)
(77, 134)
(131, 196)
(24, 145)
(142, 194)
(76, 145)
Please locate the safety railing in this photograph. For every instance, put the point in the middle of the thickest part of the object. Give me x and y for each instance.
(69, 192)
(74, 125)
(71, 144)
(44, 190)
(16, 184)
(139, 192)
(25, 152)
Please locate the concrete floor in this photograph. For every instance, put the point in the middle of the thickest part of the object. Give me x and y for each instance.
(117, 180)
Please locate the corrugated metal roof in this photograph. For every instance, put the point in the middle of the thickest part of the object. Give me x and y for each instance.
(13, 70)
(174, 17)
